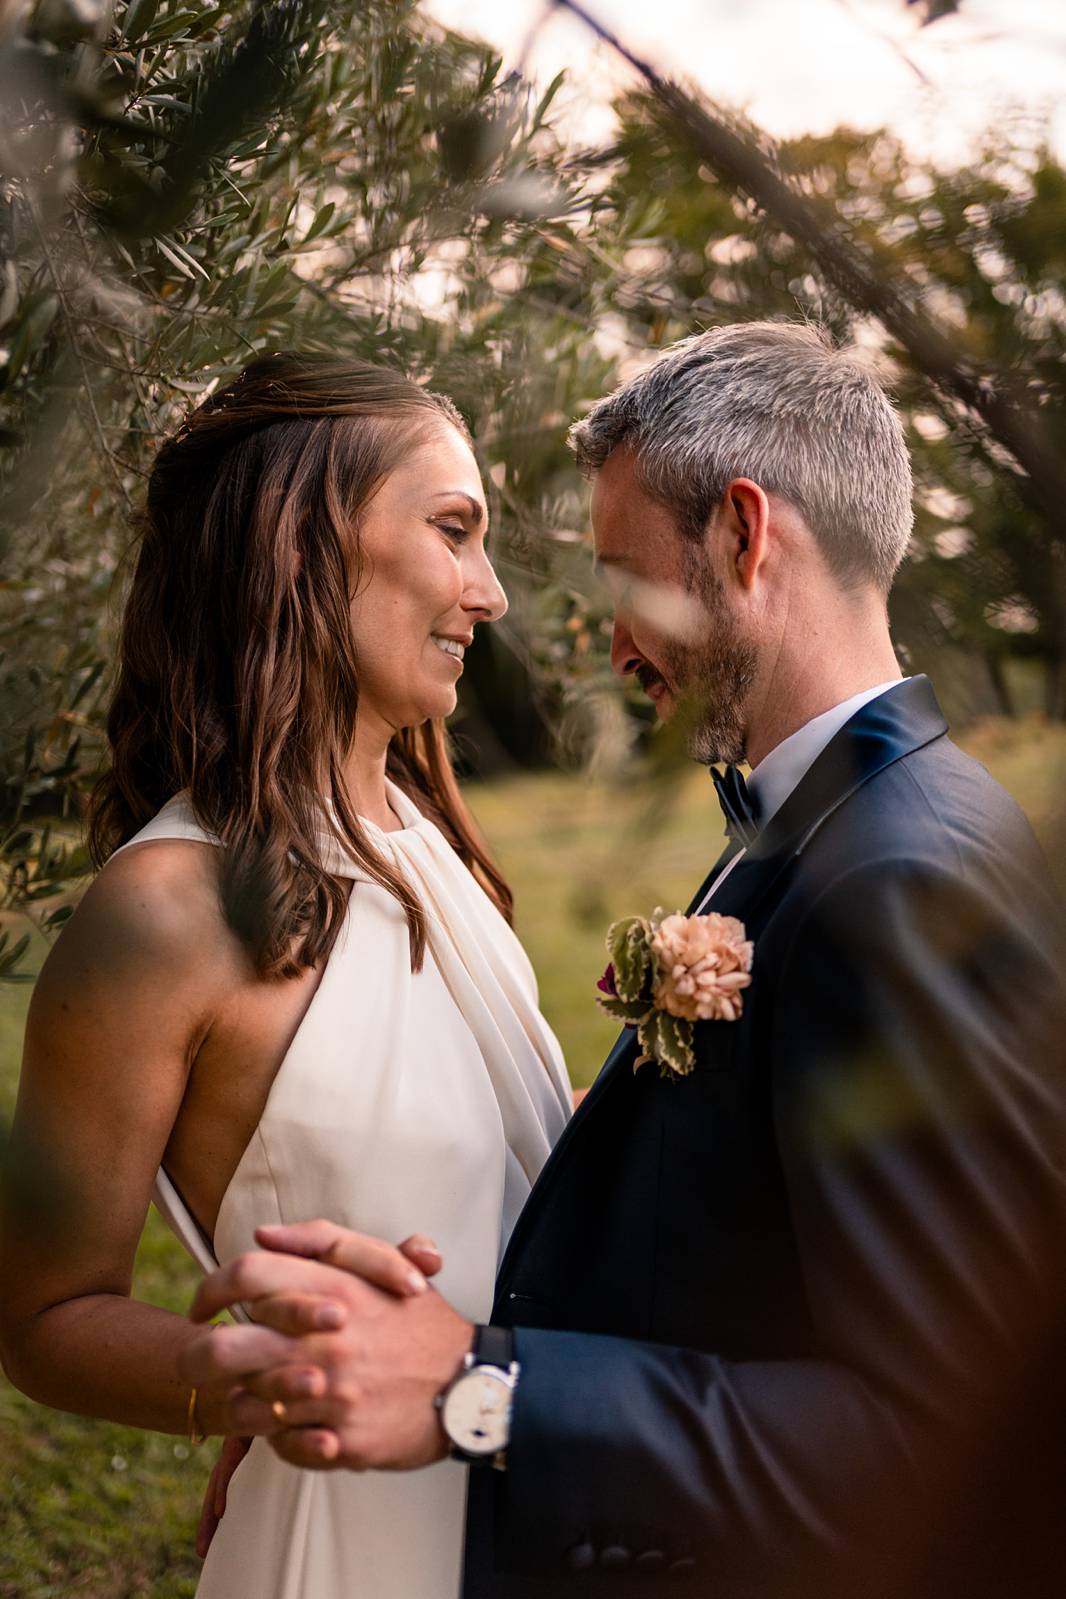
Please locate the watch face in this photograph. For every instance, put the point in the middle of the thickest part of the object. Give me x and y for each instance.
(477, 1411)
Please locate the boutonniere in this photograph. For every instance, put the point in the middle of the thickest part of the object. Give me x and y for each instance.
(667, 973)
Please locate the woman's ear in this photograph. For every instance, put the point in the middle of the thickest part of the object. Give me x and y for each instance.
(744, 522)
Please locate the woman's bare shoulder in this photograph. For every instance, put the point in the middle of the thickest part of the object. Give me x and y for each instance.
(152, 913)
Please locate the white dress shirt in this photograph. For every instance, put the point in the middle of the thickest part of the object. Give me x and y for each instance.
(778, 773)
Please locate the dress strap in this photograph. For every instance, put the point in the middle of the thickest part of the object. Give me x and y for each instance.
(176, 820)
(181, 1221)
(186, 1229)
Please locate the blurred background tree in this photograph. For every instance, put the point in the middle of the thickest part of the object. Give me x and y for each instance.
(186, 186)
(183, 186)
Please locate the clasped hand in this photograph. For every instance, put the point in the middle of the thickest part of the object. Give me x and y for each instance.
(348, 1349)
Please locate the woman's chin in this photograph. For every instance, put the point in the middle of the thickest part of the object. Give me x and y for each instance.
(434, 708)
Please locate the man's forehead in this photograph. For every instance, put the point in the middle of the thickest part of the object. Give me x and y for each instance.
(625, 517)
(615, 488)
(617, 475)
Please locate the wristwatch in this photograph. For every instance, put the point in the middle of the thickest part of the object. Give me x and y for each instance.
(475, 1407)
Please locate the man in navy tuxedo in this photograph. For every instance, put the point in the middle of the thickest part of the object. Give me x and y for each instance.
(786, 1326)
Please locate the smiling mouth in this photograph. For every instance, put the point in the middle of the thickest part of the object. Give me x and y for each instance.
(449, 646)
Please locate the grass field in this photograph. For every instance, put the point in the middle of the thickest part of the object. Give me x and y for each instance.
(92, 1509)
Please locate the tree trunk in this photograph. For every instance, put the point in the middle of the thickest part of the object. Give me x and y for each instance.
(1055, 685)
(1000, 687)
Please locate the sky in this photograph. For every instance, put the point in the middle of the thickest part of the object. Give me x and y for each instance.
(799, 66)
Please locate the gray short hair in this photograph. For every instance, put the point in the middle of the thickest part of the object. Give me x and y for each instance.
(778, 402)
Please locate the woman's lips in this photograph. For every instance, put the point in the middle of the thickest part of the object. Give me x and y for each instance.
(452, 649)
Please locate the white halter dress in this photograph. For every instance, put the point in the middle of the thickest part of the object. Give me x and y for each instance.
(407, 1102)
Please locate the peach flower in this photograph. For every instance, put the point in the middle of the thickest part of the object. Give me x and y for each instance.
(704, 962)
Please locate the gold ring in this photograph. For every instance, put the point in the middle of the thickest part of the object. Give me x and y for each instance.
(280, 1412)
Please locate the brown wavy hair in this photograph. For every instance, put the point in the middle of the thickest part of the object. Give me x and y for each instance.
(238, 679)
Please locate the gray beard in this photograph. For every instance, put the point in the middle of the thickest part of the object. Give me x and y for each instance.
(716, 679)
(719, 737)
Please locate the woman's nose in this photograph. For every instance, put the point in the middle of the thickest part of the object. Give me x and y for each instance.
(484, 592)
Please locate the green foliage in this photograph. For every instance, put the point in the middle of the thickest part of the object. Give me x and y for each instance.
(668, 1040)
(626, 1011)
(628, 944)
(191, 185)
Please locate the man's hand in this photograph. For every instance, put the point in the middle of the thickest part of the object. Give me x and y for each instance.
(360, 1396)
(313, 1238)
(367, 1257)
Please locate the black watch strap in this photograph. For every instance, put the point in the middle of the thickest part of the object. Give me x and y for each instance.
(493, 1346)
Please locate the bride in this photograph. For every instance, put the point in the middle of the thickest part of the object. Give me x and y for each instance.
(293, 989)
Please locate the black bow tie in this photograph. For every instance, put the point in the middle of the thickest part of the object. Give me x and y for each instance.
(738, 805)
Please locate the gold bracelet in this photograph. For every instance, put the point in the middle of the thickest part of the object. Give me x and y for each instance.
(196, 1438)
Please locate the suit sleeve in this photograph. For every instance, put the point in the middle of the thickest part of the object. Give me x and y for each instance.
(915, 1053)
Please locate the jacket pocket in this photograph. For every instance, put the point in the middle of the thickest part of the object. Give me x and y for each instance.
(528, 1310)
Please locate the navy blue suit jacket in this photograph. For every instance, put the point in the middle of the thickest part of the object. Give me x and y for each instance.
(780, 1321)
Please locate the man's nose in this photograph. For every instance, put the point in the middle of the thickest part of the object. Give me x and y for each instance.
(625, 657)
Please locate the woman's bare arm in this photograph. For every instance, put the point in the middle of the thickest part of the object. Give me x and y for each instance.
(120, 1009)
(120, 1012)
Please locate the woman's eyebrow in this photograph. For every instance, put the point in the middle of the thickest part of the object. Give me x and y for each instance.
(475, 511)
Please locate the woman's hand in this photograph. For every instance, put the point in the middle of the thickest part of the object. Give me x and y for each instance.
(318, 1240)
(214, 1505)
(361, 1398)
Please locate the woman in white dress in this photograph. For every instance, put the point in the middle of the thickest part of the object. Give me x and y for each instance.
(293, 989)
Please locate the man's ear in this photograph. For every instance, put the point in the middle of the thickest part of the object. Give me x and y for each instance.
(743, 523)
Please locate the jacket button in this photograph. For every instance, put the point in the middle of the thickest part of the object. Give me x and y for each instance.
(651, 1560)
(614, 1556)
(683, 1567)
(581, 1557)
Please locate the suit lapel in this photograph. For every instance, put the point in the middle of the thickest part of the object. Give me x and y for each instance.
(895, 724)
(731, 851)
(620, 1058)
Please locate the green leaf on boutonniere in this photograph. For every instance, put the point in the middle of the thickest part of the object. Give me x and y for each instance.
(668, 1039)
(625, 1010)
(628, 947)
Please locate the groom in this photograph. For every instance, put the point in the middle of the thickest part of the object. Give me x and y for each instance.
(784, 1326)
